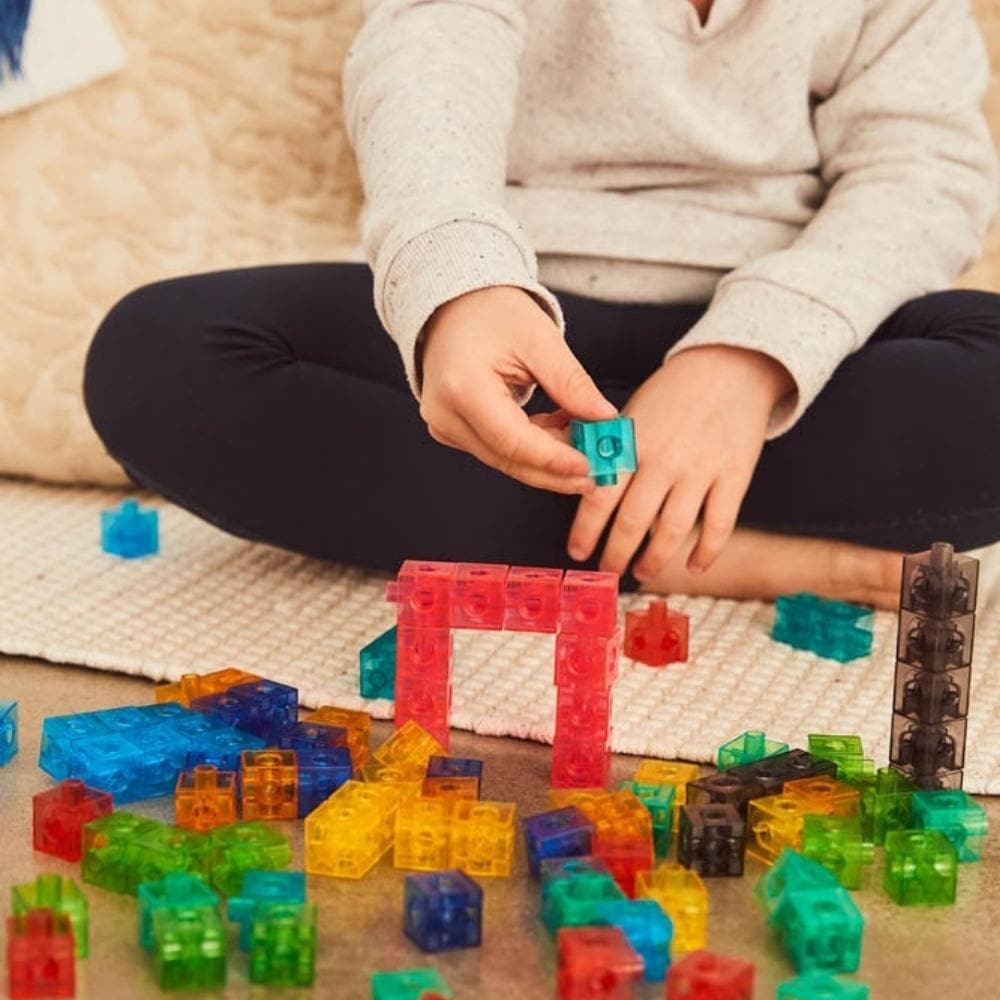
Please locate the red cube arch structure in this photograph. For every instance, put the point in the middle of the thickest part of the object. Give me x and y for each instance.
(580, 607)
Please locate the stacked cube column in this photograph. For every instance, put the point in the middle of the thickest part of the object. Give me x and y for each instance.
(933, 666)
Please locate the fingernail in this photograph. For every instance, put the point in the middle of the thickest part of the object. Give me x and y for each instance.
(577, 553)
(609, 408)
(695, 568)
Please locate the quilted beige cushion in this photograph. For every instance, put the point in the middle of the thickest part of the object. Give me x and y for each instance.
(219, 145)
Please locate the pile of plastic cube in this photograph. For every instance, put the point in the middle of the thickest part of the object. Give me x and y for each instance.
(622, 873)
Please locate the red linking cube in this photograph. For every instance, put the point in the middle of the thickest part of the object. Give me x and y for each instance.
(432, 598)
(703, 975)
(40, 955)
(596, 963)
(59, 814)
(656, 636)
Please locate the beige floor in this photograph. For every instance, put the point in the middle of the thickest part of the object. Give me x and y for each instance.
(945, 952)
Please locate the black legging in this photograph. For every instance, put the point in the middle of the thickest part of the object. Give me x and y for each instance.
(270, 402)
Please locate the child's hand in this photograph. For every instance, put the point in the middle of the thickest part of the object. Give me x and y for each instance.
(476, 348)
(701, 421)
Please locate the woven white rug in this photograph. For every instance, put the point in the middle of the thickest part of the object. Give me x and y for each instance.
(210, 600)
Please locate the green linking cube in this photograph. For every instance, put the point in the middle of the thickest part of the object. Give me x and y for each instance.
(957, 815)
(61, 895)
(122, 850)
(747, 748)
(609, 446)
(846, 752)
(921, 868)
(836, 843)
(835, 630)
(283, 944)
(885, 803)
(573, 891)
(189, 948)
(820, 986)
(410, 984)
(178, 891)
(377, 666)
(659, 800)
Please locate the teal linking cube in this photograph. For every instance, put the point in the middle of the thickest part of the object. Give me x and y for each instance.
(377, 663)
(260, 888)
(609, 446)
(834, 630)
(8, 731)
(836, 843)
(747, 748)
(921, 868)
(409, 984)
(957, 815)
(820, 986)
(819, 923)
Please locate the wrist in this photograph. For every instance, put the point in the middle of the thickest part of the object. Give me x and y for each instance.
(738, 366)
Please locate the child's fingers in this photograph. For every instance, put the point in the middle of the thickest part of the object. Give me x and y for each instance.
(566, 381)
(504, 428)
(722, 505)
(674, 524)
(592, 516)
(458, 433)
(635, 515)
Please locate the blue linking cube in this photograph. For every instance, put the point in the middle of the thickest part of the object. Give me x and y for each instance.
(560, 833)
(648, 929)
(263, 707)
(135, 752)
(309, 736)
(377, 663)
(322, 770)
(609, 446)
(129, 531)
(262, 887)
(8, 731)
(442, 910)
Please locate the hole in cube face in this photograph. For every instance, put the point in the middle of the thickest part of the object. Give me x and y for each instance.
(609, 446)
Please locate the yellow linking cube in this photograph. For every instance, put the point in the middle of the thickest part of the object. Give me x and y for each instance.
(669, 772)
(683, 897)
(475, 836)
(270, 780)
(410, 744)
(351, 830)
(773, 823)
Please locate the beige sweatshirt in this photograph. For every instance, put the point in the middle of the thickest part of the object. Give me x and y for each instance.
(805, 165)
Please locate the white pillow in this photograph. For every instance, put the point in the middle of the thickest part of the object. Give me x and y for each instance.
(68, 43)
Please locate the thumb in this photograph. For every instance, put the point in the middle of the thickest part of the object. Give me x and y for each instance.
(567, 383)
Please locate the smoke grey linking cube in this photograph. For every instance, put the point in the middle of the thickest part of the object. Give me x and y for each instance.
(933, 666)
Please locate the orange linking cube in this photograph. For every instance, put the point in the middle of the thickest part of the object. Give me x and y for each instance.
(270, 780)
(193, 686)
(205, 798)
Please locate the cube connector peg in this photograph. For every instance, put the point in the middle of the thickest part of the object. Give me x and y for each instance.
(129, 531)
(8, 731)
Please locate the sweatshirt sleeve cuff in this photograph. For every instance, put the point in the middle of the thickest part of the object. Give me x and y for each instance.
(442, 263)
(810, 339)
